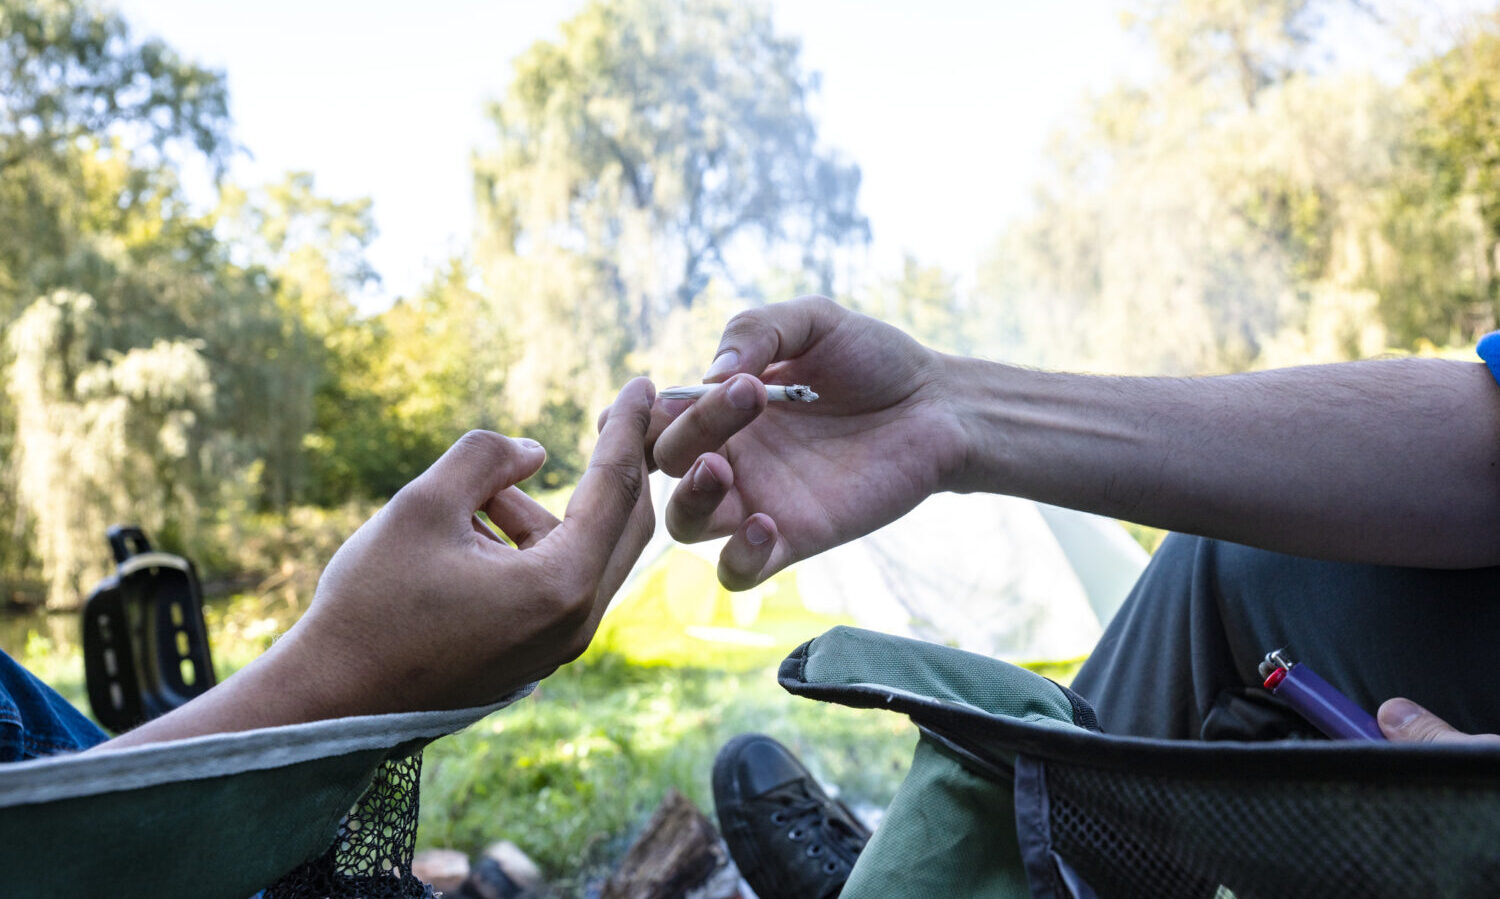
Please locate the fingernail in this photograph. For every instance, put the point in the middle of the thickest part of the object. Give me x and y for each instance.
(703, 478)
(528, 443)
(1398, 713)
(756, 533)
(723, 363)
(742, 394)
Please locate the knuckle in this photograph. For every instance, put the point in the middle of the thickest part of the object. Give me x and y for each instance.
(741, 321)
(420, 498)
(625, 474)
(484, 444)
(568, 595)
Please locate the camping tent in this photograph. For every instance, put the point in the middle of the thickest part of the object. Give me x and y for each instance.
(1002, 576)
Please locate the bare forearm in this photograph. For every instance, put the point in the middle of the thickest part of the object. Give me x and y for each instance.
(1387, 462)
(276, 689)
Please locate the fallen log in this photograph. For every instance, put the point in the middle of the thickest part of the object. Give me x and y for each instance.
(678, 851)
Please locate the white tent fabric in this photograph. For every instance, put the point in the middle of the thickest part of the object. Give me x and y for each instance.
(1006, 577)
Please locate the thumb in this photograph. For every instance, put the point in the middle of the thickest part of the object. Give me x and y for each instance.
(475, 469)
(1404, 721)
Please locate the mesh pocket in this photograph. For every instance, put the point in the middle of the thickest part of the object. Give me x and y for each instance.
(371, 855)
(1156, 836)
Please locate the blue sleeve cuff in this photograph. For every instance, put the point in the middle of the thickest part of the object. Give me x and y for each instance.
(1489, 351)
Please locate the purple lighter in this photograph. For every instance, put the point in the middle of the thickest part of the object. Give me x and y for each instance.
(1315, 699)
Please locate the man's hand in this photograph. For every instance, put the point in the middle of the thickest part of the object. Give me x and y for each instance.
(1403, 721)
(425, 607)
(791, 480)
(445, 612)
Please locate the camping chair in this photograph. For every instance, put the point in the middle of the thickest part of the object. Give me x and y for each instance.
(1014, 792)
(145, 645)
(332, 802)
(326, 809)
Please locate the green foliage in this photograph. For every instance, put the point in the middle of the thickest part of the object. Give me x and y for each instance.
(1246, 208)
(71, 71)
(79, 94)
(659, 146)
(571, 773)
(1441, 279)
(104, 435)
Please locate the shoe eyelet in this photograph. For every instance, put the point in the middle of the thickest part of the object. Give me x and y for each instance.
(830, 867)
(778, 818)
(795, 834)
(815, 850)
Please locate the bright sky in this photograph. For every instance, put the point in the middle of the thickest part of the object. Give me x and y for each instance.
(945, 104)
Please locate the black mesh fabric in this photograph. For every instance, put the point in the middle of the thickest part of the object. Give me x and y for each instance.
(371, 855)
(1156, 836)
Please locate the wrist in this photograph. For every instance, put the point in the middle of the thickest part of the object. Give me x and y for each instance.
(974, 391)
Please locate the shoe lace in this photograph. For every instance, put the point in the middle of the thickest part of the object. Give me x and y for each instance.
(813, 820)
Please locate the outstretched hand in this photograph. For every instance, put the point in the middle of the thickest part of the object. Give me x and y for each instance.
(445, 612)
(790, 480)
(426, 607)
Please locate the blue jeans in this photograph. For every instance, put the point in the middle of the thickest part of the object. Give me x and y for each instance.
(35, 720)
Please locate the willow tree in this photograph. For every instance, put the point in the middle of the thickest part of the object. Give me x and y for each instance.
(657, 147)
(103, 436)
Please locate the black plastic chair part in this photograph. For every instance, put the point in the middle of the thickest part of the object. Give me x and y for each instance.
(145, 646)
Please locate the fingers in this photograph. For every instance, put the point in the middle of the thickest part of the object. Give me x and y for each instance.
(1405, 721)
(663, 414)
(627, 550)
(755, 339)
(520, 517)
(699, 495)
(478, 466)
(709, 422)
(608, 492)
(754, 553)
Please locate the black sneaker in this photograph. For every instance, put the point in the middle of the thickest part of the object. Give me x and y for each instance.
(789, 840)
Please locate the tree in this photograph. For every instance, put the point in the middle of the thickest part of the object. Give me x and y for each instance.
(80, 93)
(924, 302)
(103, 436)
(180, 359)
(1192, 223)
(660, 145)
(1232, 48)
(1441, 279)
(308, 369)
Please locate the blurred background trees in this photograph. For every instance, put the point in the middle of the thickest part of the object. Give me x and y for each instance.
(213, 371)
(658, 147)
(1252, 205)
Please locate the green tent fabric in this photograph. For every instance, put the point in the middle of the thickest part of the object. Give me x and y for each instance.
(1013, 793)
(224, 815)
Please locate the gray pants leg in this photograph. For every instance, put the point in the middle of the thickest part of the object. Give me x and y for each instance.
(1179, 660)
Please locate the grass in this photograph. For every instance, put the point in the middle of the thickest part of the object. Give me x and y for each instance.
(571, 774)
(678, 669)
